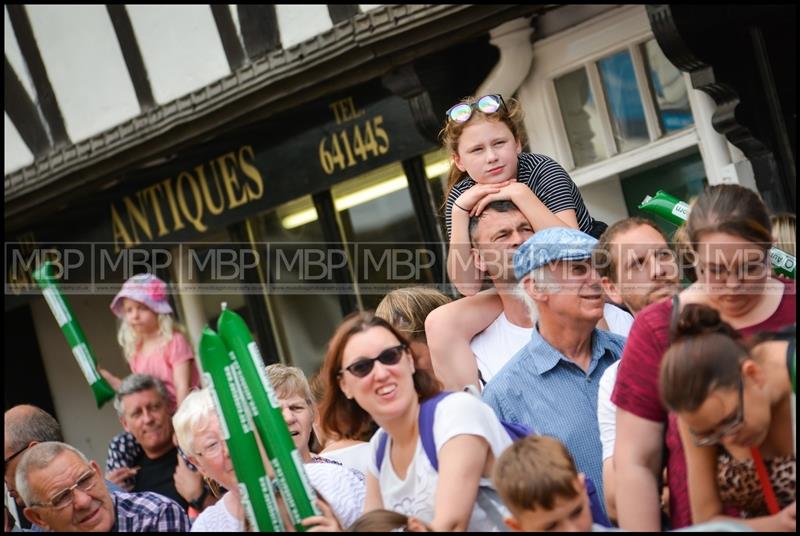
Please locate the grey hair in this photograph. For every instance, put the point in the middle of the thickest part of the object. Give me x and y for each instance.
(540, 276)
(36, 425)
(192, 416)
(36, 458)
(136, 383)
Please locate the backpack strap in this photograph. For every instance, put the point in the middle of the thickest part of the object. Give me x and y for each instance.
(427, 410)
(381, 451)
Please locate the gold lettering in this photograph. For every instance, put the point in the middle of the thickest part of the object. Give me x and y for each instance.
(345, 110)
(119, 231)
(194, 219)
(213, 209)
(152, 191)
(251, 171)
(230, 179)
(173, 207)
(137, 215)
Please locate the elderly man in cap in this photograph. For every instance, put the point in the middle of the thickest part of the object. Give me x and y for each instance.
(551, 384)
(65, 492)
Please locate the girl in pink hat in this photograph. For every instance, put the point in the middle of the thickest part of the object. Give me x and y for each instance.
(152, 342)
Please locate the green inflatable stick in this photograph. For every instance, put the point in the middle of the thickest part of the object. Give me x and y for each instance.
(222, 378)
(675, 211)
(71, 329)
(283, 455)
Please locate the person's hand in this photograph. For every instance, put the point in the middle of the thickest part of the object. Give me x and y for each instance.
(327, 522)
(786, 519)
(187, 482)
(112, 380)
(121, 475)
(469, 199)
(508, 191)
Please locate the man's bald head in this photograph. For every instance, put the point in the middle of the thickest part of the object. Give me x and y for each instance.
(26, 423)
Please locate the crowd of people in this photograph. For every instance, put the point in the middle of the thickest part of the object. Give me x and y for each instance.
(592, 378)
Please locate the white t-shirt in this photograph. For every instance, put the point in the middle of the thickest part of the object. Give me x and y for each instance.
(340, 487)
(618, 321)
(497, 344)
(494, 346)
(355, 457)
(607, 410)
(217, 518)
(457, 414)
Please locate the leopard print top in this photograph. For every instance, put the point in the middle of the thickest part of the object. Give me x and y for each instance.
(740, 488)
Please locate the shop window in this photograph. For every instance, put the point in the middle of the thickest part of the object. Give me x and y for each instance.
(304, 318)
(581, 117)
(382, 233)
(668, 89)
(624, 102)
(620, 102)
(437, 169)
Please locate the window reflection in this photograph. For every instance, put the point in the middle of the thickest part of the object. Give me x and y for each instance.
(303, 320)
(581, 118)
(382, 232)
(669, 89)
(624, 103)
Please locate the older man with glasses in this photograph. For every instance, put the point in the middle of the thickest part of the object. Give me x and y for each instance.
(65, 492)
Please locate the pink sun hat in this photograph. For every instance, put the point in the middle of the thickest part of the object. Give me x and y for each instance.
(143, 288)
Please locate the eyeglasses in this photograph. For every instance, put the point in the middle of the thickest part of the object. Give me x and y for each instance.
(65, 497)
(487, 104)
(362, 367)
(7, 460)
(727, 427)
(212, 450)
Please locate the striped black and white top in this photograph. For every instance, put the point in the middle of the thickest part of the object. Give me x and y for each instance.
(546, 178)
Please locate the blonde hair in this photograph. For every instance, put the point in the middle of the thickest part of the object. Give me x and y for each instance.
(289, 381)
(533, 472)
(407, 308)
(783, 231)
(129, 340)
(511, 115)
(193, 416)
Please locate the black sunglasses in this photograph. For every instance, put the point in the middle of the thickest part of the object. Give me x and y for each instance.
(362, 367)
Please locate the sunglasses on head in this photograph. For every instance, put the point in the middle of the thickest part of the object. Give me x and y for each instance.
(487, 104)
(363, 366)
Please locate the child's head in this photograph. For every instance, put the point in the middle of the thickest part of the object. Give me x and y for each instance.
(477, 126)
(387, 521)
(539, 484)
(144, 309)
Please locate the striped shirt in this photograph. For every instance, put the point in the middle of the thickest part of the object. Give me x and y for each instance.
(148, 512)
(546, 391)
(546, 178)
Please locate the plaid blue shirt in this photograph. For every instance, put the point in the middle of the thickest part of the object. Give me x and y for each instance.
(148, 512)
(541, 388)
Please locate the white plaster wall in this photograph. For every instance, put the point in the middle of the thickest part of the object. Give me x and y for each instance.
(181, 48)
(14, 56)
(87, 428)
(300, 22)
(16, 153)
(604, 200)
(85, 66)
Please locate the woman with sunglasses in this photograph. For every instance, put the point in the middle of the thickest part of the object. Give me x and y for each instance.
(372, 374)
(729, 233)
(484, 137)
(734, 415)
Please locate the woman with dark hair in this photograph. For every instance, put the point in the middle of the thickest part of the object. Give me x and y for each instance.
(729, 233)
(373, 374)
(734, 414)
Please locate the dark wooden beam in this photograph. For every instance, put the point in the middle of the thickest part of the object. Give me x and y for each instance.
(133, 56)
(24, 114)
(340, 12)
(33, 59)
(228, 36)
(259, 25)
